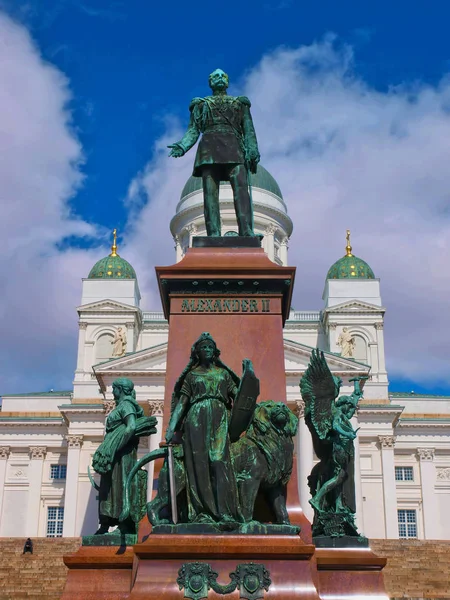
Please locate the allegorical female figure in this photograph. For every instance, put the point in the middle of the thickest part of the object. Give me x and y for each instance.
(201, 407)
(116, 456)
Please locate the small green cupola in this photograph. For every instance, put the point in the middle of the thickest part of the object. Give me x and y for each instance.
(112, 266)
(350, 266)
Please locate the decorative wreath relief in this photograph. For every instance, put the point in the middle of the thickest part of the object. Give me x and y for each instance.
(197, 578)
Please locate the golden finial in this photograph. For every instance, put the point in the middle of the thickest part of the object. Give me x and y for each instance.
(114, 246)
(348, 248)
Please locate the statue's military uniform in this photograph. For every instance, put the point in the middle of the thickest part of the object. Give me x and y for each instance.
(227, 151)
(228, 134)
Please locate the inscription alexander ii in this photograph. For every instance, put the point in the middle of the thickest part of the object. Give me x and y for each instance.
(219, 305)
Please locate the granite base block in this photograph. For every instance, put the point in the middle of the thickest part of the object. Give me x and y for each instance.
(346, 541)
(229, 241)
(110, 539)
(226, 529)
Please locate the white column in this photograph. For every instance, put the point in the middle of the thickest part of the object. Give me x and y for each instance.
(269, 233)
(178, 248)
(131, 346)
(4, 453)
(192, 229)
(373, 359)
(332, 346)
(387, 443)
(156, 409)
(284, 245)
(71, 493)
(431, 516)
(305, 460)
(81, 347)
(358, 486)
(37, 455)
(381, 358)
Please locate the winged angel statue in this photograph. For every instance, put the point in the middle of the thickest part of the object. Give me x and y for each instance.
(331, 481)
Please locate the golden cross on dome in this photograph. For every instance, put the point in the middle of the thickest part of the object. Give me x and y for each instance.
(114, 246)
(348, 248)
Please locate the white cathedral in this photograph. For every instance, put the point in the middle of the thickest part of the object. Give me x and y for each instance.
(47, 439)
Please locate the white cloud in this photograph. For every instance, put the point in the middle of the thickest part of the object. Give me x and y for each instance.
(39, 175)
(346, 156)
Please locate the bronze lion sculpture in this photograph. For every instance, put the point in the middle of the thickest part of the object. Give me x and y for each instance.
(262, 460)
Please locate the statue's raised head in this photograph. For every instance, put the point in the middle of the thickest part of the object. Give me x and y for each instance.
(122, 387)
(347, 404)
(205, 339)
(218, 80)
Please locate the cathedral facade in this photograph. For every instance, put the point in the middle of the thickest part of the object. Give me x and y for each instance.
(47, 439)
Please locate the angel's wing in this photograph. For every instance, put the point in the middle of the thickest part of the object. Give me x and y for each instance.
(319, 391)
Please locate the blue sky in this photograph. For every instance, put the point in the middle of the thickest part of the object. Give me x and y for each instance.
(132, 63)
(359, 78)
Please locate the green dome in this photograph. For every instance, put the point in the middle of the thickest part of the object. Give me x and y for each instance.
(350, 267)
(261, 179)
(112, 267)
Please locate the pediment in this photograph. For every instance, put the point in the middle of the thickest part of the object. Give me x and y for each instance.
(147, 361)
(355, 306)
(107, 306)
(297, 358)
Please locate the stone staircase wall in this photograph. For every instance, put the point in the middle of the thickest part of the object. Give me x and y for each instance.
(31, 576)
(415, 568)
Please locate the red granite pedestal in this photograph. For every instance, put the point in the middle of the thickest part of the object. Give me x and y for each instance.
(242, 299)
(286, 558)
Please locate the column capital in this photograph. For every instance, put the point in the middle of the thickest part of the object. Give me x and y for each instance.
(4, 452)
(74, 440)
(156, 408)
(271, 229)
(38, 452)
(82, 324)
(386, 441)
(129, 324)
(298, 408)
(285, 241)
(332, 326)
(425, 454)
(379, 325)
(108, 406)
(191, 228)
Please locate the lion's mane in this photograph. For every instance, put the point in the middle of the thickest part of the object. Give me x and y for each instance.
(275, 442)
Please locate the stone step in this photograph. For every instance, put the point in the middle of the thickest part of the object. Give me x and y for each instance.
(39, 575)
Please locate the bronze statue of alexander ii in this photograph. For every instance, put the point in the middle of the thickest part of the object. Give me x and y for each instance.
(228, 151)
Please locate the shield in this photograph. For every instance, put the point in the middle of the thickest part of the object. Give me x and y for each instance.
(245, 402)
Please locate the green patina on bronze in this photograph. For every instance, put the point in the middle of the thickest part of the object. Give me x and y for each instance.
(262, 180)
(115, 458)
(198, 578)
(201, 403)
(228, 151)
(218, 472)
(332, 480)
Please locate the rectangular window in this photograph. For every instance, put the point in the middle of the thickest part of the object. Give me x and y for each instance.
(407, 523)
(58, 471)
(55, 519)
(404, 474)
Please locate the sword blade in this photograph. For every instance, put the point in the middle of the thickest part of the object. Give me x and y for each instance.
(173, 491)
